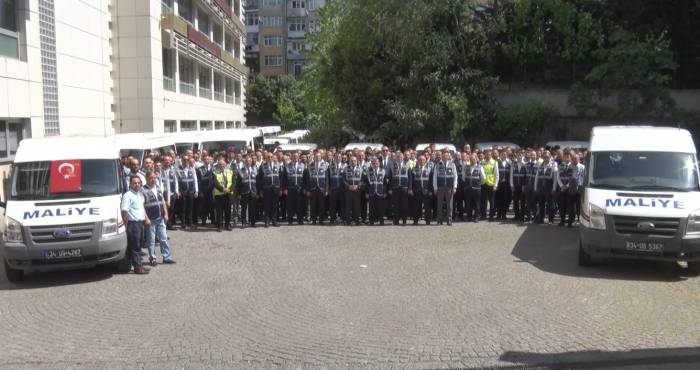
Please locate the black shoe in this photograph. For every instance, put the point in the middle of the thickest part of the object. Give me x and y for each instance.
(449, 222)
(218, 229)
(153, 263)
(169, 262)
(415, 222)
(313, 222)
(561, 224)
(141, 270)
(275, 224)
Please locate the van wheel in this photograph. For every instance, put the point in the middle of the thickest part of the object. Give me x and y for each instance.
(584, 259)
(123, 266)
(694, 267)
(12, 274)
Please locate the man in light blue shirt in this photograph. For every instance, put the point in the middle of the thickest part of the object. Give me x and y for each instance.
(134, 217)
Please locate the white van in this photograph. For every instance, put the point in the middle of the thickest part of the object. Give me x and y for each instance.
(139, 145)
(641, 197)
(438, 146)
(237, 138)
(62, 207)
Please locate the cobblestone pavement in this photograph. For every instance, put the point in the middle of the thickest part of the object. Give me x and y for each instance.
(348, 297)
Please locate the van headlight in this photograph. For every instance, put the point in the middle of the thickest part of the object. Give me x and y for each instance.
(110, 227)
(693, 227)
(13, 231)
(595, 217)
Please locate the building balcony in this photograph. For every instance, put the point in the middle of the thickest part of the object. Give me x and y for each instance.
(229, 99)
(295, 55)
(204, 92)
(219, 96)
(296, 34)
(238, 100)
(252, 48)
(253, 28)
(233, 62)
(297, 12)
(187, 88)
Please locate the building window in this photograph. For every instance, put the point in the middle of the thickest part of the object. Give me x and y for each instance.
(204, 82)
(228, 43)
(169, 126)
(298, 4)
(219, 87)
(251, 4)
(297, 24)
(252, 39)
(295, 68)
(271, 2)
(188, 125)
(229, 91)
(237, 91)
(9, 38)
(185, 10)
(251, 18)
(11, 133)
(230, 124)
(203, 21)
(168, 69)
(273, 60)
(218, 34)
(315, 4)
(271, 21)
(219, 125)
(273, 40)
(186, 76)
(166, 6)
(298, 46)
(313, 26)
(204, 125)
(238, 124)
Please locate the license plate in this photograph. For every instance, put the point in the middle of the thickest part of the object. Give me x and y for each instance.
(57, 254)
(653, 247)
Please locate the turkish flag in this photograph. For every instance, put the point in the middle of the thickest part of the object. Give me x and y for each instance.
(65, 176)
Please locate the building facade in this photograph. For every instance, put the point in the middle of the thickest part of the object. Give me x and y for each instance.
(277, 33)
(100, 67)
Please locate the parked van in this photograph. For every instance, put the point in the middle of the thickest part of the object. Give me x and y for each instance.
(497, 144)
(305, 148)
(438, 146)
(362, 146)
(237, 138)
(270, 143)
(185, 140)
(641, 197)
(139, 145)
(62, 207)
(578, 145)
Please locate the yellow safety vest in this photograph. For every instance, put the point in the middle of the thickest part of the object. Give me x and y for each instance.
(225, 179)
(490, 171)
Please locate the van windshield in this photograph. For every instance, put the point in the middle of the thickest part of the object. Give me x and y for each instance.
(643, 171)
(32, 180)
(224, 145)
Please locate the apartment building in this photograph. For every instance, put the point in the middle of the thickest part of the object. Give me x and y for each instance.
(277, 33)
(100, 67)
(178, 65)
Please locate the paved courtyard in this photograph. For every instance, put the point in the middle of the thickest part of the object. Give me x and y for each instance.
(338, 297)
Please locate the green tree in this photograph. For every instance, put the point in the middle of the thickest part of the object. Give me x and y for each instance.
(524, 122)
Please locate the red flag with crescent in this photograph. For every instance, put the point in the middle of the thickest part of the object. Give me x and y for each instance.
(65, 176)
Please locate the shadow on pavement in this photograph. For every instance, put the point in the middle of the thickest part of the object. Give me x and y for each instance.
(36, 280)
(661, 357)
(555, 249)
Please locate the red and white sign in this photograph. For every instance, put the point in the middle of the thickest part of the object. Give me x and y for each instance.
(65, 176)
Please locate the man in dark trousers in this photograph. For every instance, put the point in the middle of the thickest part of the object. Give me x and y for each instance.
(223, 190)
(269, 185)
(352, 182)
(189, 188)
(317, 173)
(400, 176)
(135, 218)
(294, 185)
(376, 183)
(421, 191)
(246, 187)
(204, 204)
(336, 198)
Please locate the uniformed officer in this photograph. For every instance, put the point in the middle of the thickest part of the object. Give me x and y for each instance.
(364, 165)
(564, 175)
(459, 193)
(575, 188)
(488, 190)
(421, 191)
(517, 181)
(295, 185)
(444, 185)
(529, 185)
(376, 182)
(318, 187)
(170, 183)
(336, 198)
(352, 182)
(504, 191)
(204, 204)
(269, 184)
(400, 176)
(474, 178)
(157, 211)
(188, 190)
(224, 182)
(545, 188)
(246, 187)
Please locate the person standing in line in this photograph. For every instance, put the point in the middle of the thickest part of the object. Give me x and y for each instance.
(246, 187)
(474, 178)
(444, 183)
(488, 190)
(503, 191)
(545, 188)
(376, 183)
(223, 190)
(352, 182)
(134, 218)
(157, 212)
(317, 173)
(336, 198)
(400, 177)
(421, 191)
(189, 190)
(269, 185)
